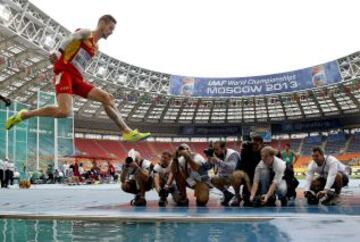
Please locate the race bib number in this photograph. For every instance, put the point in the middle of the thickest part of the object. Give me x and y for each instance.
(81, 60)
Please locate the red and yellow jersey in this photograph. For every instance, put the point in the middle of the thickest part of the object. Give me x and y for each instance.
(76, 55)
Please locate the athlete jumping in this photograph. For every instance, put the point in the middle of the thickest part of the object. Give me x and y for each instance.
(74, 55)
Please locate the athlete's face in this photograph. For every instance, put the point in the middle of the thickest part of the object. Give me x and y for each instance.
(107, 29)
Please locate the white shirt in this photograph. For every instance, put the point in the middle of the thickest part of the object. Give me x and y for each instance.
(81, 170)
(65, 169)
(278, 167)
(197, 158)
(1, 164)
(193, 175)
(328, 170)
(145, 164)
(228, 165)
(9, 166)
(161, 170)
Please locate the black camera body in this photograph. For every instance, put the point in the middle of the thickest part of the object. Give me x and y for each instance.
(129, 160)
(209, 152)
(247, 146)
(311, 198)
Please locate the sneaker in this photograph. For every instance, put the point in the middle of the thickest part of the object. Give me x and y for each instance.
(135, 136)
(283, 201)
(183, 203)
(227, 198)
(247, 203)
(236, 201)
(163, 202)
(271, 202)
(14, 119)
(138, 201)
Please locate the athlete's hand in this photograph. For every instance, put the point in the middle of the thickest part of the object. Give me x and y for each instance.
(53, 58)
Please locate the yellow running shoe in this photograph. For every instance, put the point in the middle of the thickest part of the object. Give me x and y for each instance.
(14, 119)
(135, 136)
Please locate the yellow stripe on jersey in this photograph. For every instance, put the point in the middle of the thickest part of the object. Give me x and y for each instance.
(71, 49)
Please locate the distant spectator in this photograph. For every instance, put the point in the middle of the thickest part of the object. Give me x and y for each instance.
(2, 173)
(81, 169)
(58, 176)
(50, 173)
(289, 156)
(9, 168)
(112, 172)
(65, 169)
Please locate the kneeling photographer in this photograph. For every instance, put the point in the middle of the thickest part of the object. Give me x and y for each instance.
(225, 161)
(250, 158)
(160, 174)
(269, 180)
(135, 177)
(187, 168)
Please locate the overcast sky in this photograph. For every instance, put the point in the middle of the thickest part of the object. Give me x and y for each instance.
(219, 38)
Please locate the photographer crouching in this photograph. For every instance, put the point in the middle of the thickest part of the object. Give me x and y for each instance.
(225, 161)
(135, 177)
(188, 170)
(269, 180)
(161, 173)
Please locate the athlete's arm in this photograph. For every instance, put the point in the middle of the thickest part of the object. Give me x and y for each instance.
(81, 34)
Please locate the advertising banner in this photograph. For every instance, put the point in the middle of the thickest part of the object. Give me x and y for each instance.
(307, 78)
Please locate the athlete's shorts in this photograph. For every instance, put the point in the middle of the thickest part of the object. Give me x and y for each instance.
(67, 82)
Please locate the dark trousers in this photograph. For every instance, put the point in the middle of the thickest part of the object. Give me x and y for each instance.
(9, 176)
(2, 177)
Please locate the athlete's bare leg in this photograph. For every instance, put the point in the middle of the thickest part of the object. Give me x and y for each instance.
(107, 100)
(62, 110)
